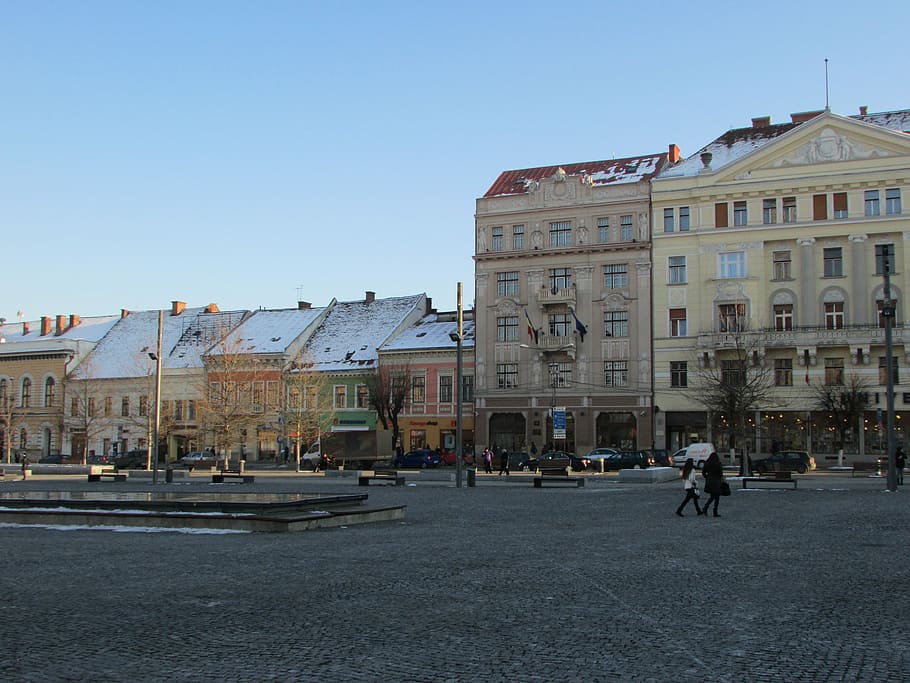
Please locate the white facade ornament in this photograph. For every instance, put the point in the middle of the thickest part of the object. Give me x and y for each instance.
(828, 146)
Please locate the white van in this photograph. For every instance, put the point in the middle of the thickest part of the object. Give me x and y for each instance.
(699, 453)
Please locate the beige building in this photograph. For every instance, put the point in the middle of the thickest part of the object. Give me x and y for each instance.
(778, 233)
(563, 300)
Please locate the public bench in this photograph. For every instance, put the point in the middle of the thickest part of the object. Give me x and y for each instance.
(221, 475)
(864, 467)
(392, 476)
(556, 471)
(782, 477)
(111, 475)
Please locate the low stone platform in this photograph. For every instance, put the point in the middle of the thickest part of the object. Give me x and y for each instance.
(650, 475)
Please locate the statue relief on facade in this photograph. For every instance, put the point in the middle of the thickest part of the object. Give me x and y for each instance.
(643, 226)
(829, 146)
(582, 234)
(481, 240)
(536, 239)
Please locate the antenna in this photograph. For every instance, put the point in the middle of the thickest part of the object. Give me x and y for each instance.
(299, 292)
(827, 106)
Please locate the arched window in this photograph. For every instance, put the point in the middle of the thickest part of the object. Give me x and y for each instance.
(26, 396)
(4, 388)
(50, 392)
(23, 438)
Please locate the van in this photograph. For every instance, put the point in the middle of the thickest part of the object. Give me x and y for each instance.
(699, 453)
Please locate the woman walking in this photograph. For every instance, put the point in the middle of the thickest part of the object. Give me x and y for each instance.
(691, 487)
(713, 472)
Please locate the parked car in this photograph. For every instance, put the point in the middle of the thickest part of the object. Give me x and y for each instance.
(627, 460)
(534, 464)
(699, 453)
(198, 459)
(51, 459)
(420, 458)
(135, 459)
(98, 459)
(660, 457)
(598, 454)
(791, 461)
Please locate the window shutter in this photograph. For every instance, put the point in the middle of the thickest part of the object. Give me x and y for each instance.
(820, 207)
(720, 215)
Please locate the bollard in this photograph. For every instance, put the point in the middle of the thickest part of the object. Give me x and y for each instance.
(168, 475)
(241, 465)
(601, 461)
(472, 477)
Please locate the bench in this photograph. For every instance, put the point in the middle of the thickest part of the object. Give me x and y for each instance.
(220, 476)
(782, 477)
(113, 476)
(381, 475)
(557, 473)
(867, 467)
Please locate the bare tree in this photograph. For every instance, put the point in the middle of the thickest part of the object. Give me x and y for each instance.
(388, 394)
(307, 407)
(8, 414)
(82, 416)
(733, 382)
(841, 405)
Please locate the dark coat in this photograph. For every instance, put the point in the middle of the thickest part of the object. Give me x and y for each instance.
(713, 472)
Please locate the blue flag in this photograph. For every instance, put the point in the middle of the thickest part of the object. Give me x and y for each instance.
(582, 330)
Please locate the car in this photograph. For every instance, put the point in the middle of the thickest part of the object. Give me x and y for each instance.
(135, 459)
(197, 459)
(699, 452)
(51, 459)
(420, 458)
(534, 464)
(98, 459)
(627, 460)
(595, 457)
(660, 457)
(785, 461)
(448, 458)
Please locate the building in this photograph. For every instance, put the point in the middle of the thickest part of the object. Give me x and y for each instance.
(775, 236)
(563, 306)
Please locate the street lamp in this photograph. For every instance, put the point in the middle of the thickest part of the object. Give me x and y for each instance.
(458, 337)
(888, 315)
(157, 359)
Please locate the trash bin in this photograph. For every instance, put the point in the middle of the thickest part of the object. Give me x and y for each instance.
(168, 475)
(472, 477)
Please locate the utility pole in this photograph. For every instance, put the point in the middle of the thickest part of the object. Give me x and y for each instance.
(458, 338)
(888, 316)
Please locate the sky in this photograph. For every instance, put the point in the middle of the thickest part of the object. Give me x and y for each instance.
(251, 154)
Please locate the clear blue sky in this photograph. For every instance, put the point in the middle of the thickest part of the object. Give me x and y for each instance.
(231, 152)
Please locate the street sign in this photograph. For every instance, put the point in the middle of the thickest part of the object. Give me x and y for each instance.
(559, 422)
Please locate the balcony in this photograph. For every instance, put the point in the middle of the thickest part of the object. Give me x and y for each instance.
(551, 297)
(553, 343)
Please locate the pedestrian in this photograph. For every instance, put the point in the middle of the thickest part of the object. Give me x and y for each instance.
(690, 486)
(488, 460)
(713, 472)
(504, 462)
(533, 450)
(900, 461)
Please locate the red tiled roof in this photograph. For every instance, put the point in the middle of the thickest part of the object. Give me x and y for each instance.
(630, 170)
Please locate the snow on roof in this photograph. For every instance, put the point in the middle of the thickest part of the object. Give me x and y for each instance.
(892, 120)
(629, 170)
(352, 332)
(91, 329)
(431, 333)
(123, 352)
(268, 331)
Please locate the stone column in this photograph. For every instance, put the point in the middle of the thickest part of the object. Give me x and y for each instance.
(808, 310)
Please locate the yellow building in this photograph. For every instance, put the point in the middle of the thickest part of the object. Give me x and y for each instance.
(777, 234)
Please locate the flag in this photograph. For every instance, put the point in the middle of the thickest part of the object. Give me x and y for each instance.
(582, 330)
(532, 331)
(807, 374)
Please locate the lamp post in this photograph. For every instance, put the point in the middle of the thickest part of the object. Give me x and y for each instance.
(888, 315)
(157, 397)
(458, 338)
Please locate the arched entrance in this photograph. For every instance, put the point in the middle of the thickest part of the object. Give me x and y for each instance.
(507, 430)
(617, 430)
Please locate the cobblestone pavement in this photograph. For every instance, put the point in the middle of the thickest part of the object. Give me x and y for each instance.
(501, 582)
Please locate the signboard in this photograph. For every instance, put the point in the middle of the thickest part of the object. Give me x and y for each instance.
(559, 422)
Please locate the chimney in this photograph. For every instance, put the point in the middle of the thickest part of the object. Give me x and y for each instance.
(761, 121)
(61, 325)
(429, 306)
(803, 116)
(371, 297)
(74, 320)
(673, 154)
(45, 325)
(24, 329)
(863, 110)
(177, 307)
(304, 305)
(123, 313)
(212, 308)
(706, 160)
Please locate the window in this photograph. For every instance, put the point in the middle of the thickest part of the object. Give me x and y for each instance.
(840, 204)
(780, 265)
(178, 411)
(271, 393)
(507, 328)
(834, 371)
(616, 276)
(560, 324)
(418, 389)
(497, 239)
(616, 324)
(733, 372)
(820, 207)
(883, 370)
(50, 391)
(783, 372)
(833, 262)
(684, 219)
(783, 317)
(677, 265)
(25, 395)
(258, 395)
(467, 388)
(363, 396)
(341, 397)
(191, 410)
(4, 384)
(769, 211)
(789, 209)
(893, 201)
(616, 373)
(668, 220)
(91, 407)
(834, 315)
(731, 317)
(740, 216)
(143, 406)
(507, 284)
(679, 373)
(872, 203)
(677, 322)
(732, 264)
(518, 237)
(625, 228)
(74, 407)
(125, 406)
(445, 389)
(881, 316)
(560, 278)
(603, 229)
(506, 375)
(560, 233)
(884, 253)
(721, 220)
(560, 374)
